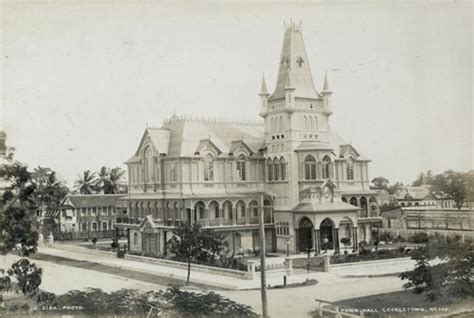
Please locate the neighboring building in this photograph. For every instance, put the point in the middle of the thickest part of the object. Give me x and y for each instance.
(423, 196)
(87, 216)
(309, 183)
(410, 220)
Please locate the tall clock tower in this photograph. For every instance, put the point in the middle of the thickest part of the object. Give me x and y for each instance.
(296, 116)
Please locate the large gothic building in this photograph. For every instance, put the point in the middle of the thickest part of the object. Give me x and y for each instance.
(311, 185)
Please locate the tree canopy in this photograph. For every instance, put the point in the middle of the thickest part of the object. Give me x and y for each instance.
(106, 181)
(454, 184)
(451, 273)
(195, 244)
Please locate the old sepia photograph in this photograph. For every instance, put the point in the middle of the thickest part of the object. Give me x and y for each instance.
(236, 158)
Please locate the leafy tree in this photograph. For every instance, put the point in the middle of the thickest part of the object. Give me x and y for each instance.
(18, 207)
(195, 244)
(454, 184)
(381, 183)
(27, 274)
(87, 183)
(453, 275)
(393, 189)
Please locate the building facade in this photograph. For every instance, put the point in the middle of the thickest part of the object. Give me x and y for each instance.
(310, 184)
(414, 196)
(88, 216)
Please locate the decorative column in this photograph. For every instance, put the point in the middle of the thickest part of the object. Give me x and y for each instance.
(335, 238)
(193, 213)
(221, 216)
(355, 243)
(234, 215)
(247, 215)
(317, 240)
(206, 211)
(297, 237)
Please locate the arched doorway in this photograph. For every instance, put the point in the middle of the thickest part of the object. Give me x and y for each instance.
(305, 237)
(326, 231)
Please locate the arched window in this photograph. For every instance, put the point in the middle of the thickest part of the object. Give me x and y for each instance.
(306, 122)
(325, 167)
(283, 168)
(310, 168)
(269, 169)
(240, 209)
(315, 122)
(353, 201)
(200, 210)
(208, 168)
(253, 209)
(214, 210)
(241, 173)
(350, 169)
(149, 165)
(311, 123)
(281, 123)
(272, 124)
(276, 170)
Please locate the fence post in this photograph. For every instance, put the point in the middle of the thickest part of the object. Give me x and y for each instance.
(326, 263)
(289, 266)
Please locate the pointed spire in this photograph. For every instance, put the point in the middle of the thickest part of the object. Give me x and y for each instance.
(289, 81)
(293, 58)
(326, 87)
(263, 89)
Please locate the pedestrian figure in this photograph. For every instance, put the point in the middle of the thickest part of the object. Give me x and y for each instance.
(325, 243)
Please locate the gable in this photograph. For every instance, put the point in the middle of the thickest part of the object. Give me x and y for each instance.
(207, 146)
(240, 147)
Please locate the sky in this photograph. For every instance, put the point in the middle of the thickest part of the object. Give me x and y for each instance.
(80, 81)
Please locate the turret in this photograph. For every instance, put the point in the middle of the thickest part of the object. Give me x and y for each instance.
(263, 98)
(289, 91)
(327, 92)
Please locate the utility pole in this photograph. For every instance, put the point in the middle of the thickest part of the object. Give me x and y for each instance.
(263, 281)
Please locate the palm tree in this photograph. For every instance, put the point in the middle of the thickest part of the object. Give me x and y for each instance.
(87, 183)
(115, 175)
(103, 182)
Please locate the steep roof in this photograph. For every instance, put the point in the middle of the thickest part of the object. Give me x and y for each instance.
(187, 134)
(91, 200)
(294, 65)
(415, 193)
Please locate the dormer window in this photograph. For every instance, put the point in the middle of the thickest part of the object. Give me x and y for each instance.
(208, 168)
(241, 173)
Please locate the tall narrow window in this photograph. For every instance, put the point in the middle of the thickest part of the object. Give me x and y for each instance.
(276, 170)
(241, 173)
(305, 122)
(269, 170)
(281, 123)
(325, 165)
(310, 168)
(350, 169)
(283, 168)
(149, 165)
(208, 168)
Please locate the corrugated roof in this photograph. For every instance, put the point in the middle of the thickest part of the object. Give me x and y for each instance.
(91, 200)
(186, 136)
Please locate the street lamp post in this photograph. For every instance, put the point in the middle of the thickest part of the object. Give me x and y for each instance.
(288, 247)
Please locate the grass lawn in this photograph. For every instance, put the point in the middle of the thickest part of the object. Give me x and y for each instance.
(406, 304)
(148, 278)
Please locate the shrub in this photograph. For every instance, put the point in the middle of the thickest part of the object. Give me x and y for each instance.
(419, 238)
